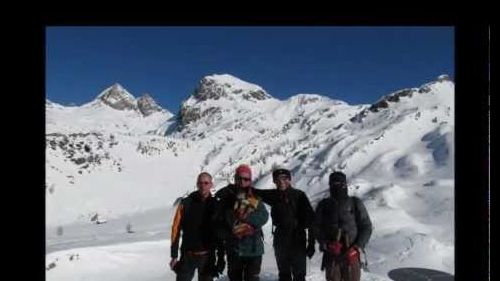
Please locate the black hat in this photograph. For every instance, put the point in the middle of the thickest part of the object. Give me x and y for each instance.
(338, 177)
(279, 172)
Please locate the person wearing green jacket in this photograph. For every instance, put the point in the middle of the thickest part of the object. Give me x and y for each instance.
(239, 216)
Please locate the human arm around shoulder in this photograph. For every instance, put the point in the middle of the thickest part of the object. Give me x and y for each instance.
(224, 200)
(267, 195)
(258, 217)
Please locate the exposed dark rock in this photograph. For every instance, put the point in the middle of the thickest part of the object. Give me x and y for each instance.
(118, 98)
(147, 105)
(377, 106)
(78, 161)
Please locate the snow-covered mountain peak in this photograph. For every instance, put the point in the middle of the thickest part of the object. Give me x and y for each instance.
(54, 105)
(442, 91)
(443, 77)
(442, 82)
(118, 98)
(114, 110)
(218, 94)
(305, 98)
(147, 105)
(398, 156)
(49, 103)
(227, 86)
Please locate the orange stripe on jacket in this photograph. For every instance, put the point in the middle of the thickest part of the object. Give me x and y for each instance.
(176, 226)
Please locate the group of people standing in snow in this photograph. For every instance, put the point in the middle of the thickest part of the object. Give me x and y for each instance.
(227, 227)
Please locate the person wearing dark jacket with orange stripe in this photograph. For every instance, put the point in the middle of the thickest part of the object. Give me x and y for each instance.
(193, 220)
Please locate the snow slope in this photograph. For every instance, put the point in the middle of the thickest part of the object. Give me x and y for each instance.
(116, 164)
(146, 261)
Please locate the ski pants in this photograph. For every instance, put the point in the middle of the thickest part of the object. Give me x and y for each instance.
(243, 268)
(189, 263)
(291, 260)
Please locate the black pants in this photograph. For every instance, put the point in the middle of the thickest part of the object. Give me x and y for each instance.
(189, 263)
(291, 260)
(243, 268)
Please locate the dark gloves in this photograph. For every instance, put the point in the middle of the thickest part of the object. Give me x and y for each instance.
(219, 266)
(323, 247)
(176, 265)
(310, 250)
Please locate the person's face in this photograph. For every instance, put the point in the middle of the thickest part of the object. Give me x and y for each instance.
(338, 184)
(204, 185)
(243, 180)
(282, 182)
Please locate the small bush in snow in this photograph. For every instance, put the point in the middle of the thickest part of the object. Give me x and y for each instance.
(129, 228)
(59, 231)
(50, 266)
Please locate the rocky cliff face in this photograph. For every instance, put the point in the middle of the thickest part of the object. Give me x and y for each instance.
(225, 88)
(118, 98)
(147, 105)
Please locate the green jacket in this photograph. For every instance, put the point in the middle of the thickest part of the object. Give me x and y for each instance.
(226, 219)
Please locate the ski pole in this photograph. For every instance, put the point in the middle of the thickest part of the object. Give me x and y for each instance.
(308, 267)
(366, 260)
(344, 262)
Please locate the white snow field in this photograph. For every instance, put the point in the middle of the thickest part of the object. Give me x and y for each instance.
(116, 165)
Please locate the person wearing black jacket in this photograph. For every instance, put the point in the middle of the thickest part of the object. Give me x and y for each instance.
(292, 215)
(193, 219)
(343, 228)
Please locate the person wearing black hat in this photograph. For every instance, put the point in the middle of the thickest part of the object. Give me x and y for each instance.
(292, 217)
(343, 228)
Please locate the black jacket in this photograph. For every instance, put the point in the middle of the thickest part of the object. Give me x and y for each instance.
(291, 213)
(193, 219)
(350, 218)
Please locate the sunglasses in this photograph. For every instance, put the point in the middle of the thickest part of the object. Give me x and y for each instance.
(204, 182)
(243, 179)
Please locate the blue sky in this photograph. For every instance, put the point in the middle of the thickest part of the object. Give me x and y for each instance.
(353, 64)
